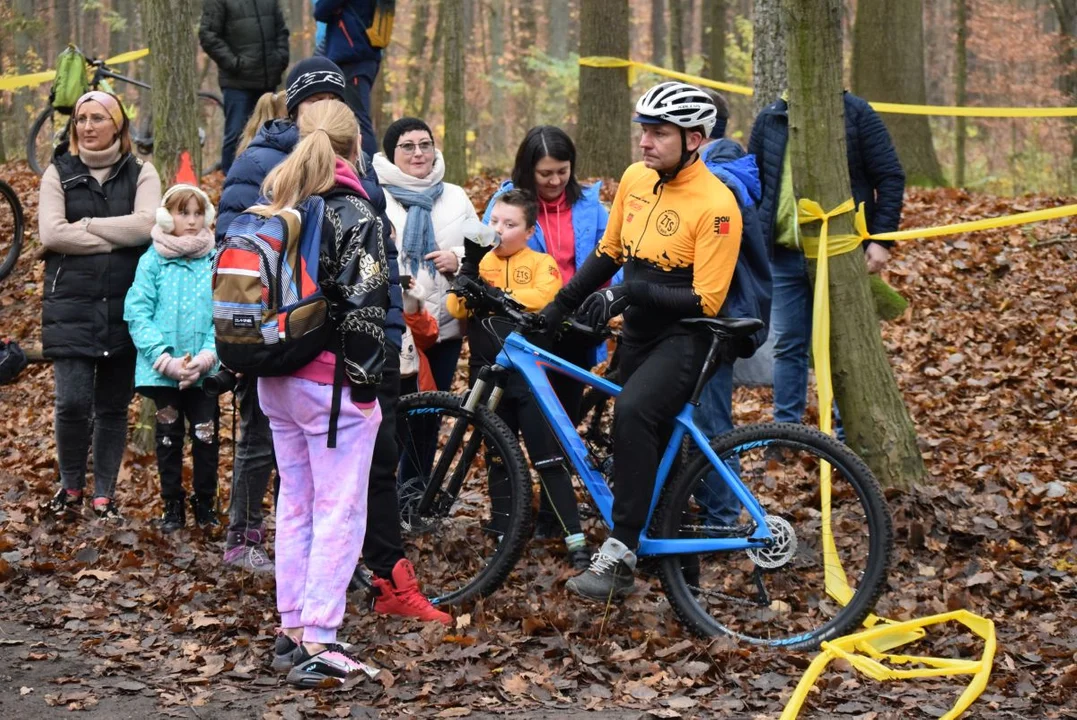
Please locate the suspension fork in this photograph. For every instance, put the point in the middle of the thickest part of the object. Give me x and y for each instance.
(490, 379)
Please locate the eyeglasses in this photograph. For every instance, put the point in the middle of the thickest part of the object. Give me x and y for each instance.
(94, 120)
(426, 146)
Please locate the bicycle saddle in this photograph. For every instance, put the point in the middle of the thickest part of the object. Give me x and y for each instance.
(726, 327)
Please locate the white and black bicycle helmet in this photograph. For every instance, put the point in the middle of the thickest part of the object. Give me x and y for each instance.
(679, 103)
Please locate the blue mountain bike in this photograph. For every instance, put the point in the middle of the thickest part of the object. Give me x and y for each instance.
(757, 572)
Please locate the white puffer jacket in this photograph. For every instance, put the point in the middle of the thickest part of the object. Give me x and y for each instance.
(450, 212)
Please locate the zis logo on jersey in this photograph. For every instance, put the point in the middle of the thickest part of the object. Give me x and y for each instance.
(522, 275)
(721, 225)
(668, 222)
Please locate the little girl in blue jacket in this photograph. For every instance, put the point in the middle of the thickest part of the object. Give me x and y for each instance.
(169, 312)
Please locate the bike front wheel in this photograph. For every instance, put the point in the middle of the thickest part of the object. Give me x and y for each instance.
(470, 530)
(43, 138)
(819, 578)
(11, 229)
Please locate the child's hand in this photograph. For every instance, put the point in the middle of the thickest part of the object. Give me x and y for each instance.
(414, 298)
(196, 367)
(171, 367)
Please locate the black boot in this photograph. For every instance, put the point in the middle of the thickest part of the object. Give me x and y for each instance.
(175, 517)
(205, 511)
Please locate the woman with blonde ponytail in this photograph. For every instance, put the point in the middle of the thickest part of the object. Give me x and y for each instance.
(271, 106)
(317, 552)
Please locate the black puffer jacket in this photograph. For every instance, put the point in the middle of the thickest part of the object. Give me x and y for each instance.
(875, 172)
(82, 308)
(353, 256)
(248, 40)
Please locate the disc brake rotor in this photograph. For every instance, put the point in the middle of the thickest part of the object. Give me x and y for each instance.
(783, 546)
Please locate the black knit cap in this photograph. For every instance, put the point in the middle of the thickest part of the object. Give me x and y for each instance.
(398, 128)
(312, 76)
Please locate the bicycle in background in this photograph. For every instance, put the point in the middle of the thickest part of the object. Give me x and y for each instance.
(52, 128)
(11, 229)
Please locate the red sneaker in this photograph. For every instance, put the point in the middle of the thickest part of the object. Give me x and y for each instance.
(401, 596)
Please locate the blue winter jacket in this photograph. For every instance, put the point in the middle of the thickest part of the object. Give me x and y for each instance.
(589, 219)
(751, 289)
(242, 188)
(169, 308)
(875, 172)
(346, 22)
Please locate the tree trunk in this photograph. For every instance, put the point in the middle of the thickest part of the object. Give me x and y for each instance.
(894, 72)
(769, 77)
(558, 18)
(876, 422)
(658, 32)
(416, 60)
(714, 39)
(497, 131)
(455, 144)
(676, 34)
(962, 95)
(173, 41)
(1067, 21)
(605, 106)
(435, 53)
(120, 37)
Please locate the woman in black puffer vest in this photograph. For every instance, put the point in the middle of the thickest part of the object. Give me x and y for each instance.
(96, 210)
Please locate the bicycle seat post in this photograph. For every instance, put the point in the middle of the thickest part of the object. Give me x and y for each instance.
(708, 366)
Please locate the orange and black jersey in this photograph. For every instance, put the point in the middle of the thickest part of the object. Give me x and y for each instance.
(529, 277)
(678, 244)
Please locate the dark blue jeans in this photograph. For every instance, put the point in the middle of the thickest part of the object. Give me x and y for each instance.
(359, 81)
(791, 323)
(714, 416)
(238, 107)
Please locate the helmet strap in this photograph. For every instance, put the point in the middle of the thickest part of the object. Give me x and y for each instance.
(686, 157)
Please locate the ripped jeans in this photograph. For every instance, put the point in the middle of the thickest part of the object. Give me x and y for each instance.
(202, 422)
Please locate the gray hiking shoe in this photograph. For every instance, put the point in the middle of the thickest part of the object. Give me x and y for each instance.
(252, 558)
(610, 575)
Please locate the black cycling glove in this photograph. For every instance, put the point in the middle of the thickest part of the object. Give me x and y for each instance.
(600, 306)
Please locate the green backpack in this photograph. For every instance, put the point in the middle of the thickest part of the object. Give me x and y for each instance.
(70, 83)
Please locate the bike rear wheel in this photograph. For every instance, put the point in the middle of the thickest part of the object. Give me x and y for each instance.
(43, 138)
(469, 540)
(783, 595)
(11, 229)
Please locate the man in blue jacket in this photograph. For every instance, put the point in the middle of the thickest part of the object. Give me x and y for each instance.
(355, 33)
(749, 296)
(311, 80)
(877, 180)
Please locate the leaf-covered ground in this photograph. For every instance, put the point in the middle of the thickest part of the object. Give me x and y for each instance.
(125, 623)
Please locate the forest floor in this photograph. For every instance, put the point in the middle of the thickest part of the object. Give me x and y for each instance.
(123, 623)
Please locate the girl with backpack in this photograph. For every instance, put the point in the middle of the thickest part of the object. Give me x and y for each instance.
(321, 508)
(169, 312)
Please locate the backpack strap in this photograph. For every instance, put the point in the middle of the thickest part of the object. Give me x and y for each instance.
(338, 391)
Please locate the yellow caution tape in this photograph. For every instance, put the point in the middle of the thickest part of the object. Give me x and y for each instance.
(634, 68)
(869, 663)
(883, 634)
(17, 81)
(602, 61)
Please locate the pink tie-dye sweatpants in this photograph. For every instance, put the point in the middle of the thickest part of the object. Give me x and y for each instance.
(321, 509)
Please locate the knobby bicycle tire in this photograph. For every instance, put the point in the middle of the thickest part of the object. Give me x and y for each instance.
(494, 432)
(7, 262)
(870, 584)
(45, 117)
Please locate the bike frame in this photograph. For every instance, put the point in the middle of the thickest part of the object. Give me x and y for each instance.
(532, 363)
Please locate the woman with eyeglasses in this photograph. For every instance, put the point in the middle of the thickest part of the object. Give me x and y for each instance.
(429, 216)
(96, 209)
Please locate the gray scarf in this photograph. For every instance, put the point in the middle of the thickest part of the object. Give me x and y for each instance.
(418, 241)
